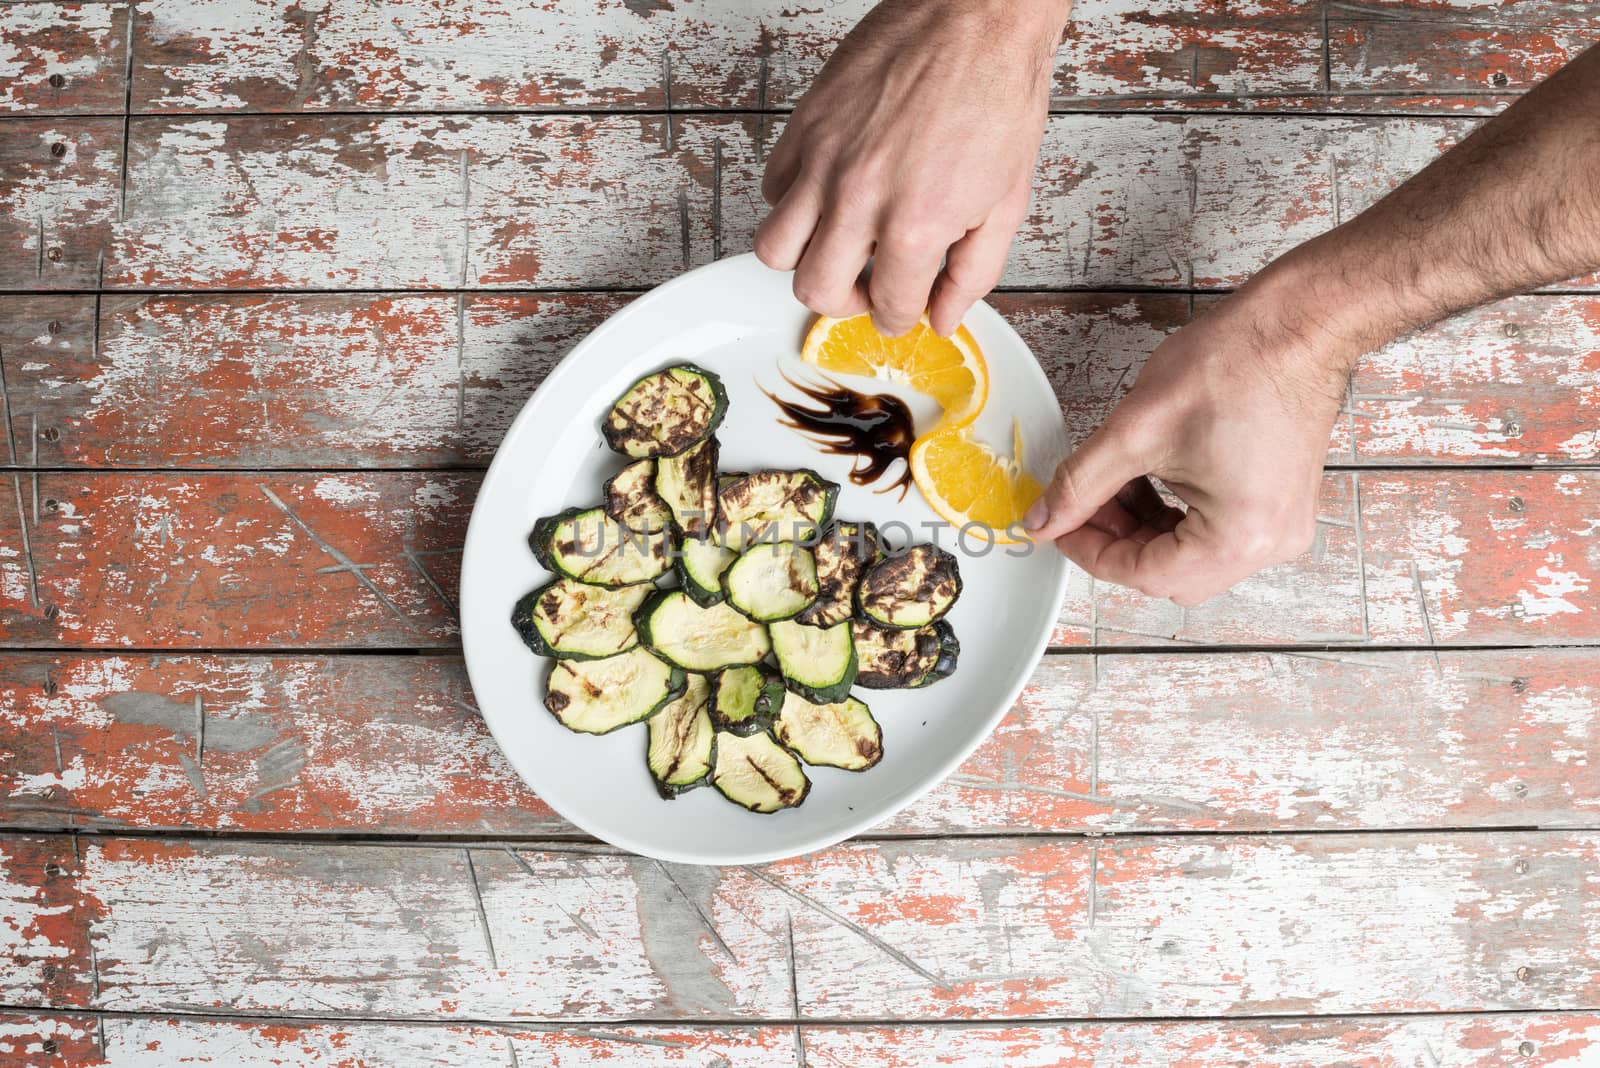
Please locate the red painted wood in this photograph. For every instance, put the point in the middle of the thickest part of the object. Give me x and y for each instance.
(1179, 741)
(63, 58)
(60, 181)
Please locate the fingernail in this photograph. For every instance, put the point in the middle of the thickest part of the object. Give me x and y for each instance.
(1037, 514)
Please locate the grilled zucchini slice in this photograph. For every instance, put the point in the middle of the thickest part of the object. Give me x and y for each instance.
(818, 663)
(949, 655)
(771, 581)
(697, 638)
(680, 749)
(892, 659)
(758, 773)
(842, 553)
(910, 588)
(745, 699)
(587, 545)
(774, 506)
(700, 568)
(688, 483)
(631, 498)
(666, 412)
(576, 621)
(842, 734)
(598, 696)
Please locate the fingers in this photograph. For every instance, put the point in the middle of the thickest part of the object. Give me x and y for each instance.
(1085, 481)
(782, 237)
(1179, 564)
(783, 165)
(974, 264)
(828, 278)
(902, 274)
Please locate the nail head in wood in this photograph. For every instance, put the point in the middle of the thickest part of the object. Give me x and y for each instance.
(50, 433)
(49, 685)
(49, 1045)
(1521, 867)
(52, 869)
(1526, 1049)
(54, 326)
(1524, 972)
(1520, 789)
(1516, 504)
(1520, 684)
(58, 150)
(51, 611)
(1499, 80)
(57, 80)
(54, 255)
(1511, 330)
(48, 971)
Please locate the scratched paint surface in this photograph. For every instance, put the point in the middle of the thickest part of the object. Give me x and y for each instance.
(984, 929)
(1232, 742)
(266, 556)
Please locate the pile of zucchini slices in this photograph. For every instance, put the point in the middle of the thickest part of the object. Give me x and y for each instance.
(728, 611)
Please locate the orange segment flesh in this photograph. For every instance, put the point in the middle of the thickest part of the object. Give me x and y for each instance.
(966, 482)
(950, 370)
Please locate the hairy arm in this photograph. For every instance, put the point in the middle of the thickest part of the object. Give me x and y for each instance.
(1233, 412)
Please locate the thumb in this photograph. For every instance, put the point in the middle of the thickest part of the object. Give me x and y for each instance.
(1109, 460)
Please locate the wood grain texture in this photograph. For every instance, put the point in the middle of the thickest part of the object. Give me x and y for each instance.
(56, 211)
(83, 47)
(249, 560)
(369, 560)
(514, 201)
(272, 56)
(390, 380)
(908, 930)
(1540, 1040)
(1180, 741)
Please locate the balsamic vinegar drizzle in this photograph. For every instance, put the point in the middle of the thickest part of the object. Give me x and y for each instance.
(875, 428)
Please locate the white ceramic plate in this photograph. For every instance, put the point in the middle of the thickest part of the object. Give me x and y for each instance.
(738, 318)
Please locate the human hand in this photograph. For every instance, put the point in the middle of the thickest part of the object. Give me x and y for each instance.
(1232, 414)
(915, 145)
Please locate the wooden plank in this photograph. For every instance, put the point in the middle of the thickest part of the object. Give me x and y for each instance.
(257, 381)
(63, 58)
(60, 182)
(255, 560)
(991, 929)
(234, 560)
(1461, 55)
(384, 380)
(126, 1041)
(614, 54)
(509, 201)
(1541, 1040)
(1179, 741)
(48, 961)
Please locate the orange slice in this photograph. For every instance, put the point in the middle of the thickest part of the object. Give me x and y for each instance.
(967, 482)
(950, 370)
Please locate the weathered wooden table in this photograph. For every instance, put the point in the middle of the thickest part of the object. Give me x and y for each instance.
(276, 277)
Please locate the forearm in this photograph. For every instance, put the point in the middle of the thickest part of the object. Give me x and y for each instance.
(1514, 206)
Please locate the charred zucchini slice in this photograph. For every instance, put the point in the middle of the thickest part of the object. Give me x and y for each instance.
(949, 654)
(697, 638)
(910, 588)
(758, 773)
(842, 734)
(598, 696)
(774, 506)
(818, 663)
(842, 553)
(892, 659)
(700, 568)
(576, 621)
(688, 483)
(666, 412)
(681, 744)
(771, 581)
(744, 699)
(587, 545)
(632, 501)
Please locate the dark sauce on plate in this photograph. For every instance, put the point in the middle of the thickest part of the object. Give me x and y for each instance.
(875, 428)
